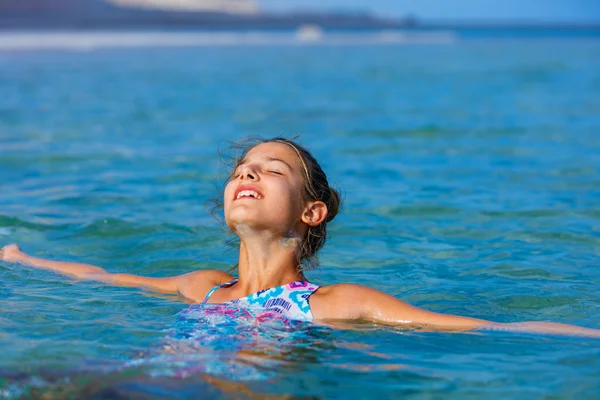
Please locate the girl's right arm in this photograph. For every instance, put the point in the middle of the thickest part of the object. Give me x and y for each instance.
(189, 285)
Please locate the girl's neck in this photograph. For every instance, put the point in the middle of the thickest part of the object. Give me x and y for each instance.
(265, 263)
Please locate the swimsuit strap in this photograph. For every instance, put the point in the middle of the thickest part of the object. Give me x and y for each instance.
(211, 291)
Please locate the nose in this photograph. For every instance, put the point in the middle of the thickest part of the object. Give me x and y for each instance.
(248, 172)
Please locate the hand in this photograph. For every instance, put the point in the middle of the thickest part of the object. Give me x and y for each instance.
(11, 253)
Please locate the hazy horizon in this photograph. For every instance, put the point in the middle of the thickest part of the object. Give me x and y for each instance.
(473, 11)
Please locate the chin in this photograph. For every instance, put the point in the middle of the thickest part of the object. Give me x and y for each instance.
(246, 218)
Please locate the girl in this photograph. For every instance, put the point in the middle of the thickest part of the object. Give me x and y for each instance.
(278, 202)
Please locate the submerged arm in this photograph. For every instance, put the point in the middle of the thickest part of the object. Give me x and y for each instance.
(376, 306)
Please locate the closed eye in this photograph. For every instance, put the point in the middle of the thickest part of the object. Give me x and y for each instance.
(275, 172)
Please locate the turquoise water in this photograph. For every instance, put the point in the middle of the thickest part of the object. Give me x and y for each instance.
(470, 173)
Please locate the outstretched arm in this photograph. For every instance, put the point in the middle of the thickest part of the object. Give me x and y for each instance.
(187, 284)
(375, 306)
(12, 253)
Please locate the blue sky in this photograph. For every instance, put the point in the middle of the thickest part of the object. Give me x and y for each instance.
(524, 10)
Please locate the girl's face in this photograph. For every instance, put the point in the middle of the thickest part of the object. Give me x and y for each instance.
(265, 193)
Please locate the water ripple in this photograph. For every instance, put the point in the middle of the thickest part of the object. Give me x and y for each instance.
(470, 175)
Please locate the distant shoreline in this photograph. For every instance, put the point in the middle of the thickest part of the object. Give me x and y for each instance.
(8, 24)
(77, 40)
(126, 15)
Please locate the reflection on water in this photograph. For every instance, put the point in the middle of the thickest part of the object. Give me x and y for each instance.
(215, 356)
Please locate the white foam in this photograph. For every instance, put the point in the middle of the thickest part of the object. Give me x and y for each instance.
(83, 41)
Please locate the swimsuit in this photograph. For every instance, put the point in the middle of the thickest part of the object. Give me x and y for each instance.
(289, 301)
(206, 337)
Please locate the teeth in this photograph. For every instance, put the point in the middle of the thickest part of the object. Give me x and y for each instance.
(248, 193)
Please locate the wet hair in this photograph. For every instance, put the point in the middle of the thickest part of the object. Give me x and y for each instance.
(315, 187)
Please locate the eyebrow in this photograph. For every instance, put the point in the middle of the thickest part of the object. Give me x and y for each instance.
(244, 161)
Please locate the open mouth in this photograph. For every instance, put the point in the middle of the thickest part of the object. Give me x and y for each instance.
(248, 193)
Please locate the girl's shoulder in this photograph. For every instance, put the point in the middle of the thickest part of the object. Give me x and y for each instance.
(340, 301)
(195, 285)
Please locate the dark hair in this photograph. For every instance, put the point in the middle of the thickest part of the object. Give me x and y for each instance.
(316, 187)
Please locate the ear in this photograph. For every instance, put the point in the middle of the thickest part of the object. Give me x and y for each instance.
(314, 213)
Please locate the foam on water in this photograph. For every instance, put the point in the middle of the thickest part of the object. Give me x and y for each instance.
(83, 41)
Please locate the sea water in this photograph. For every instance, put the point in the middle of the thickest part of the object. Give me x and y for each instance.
(471, 180)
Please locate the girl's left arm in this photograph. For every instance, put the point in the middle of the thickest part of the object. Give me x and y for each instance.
(373, 305)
